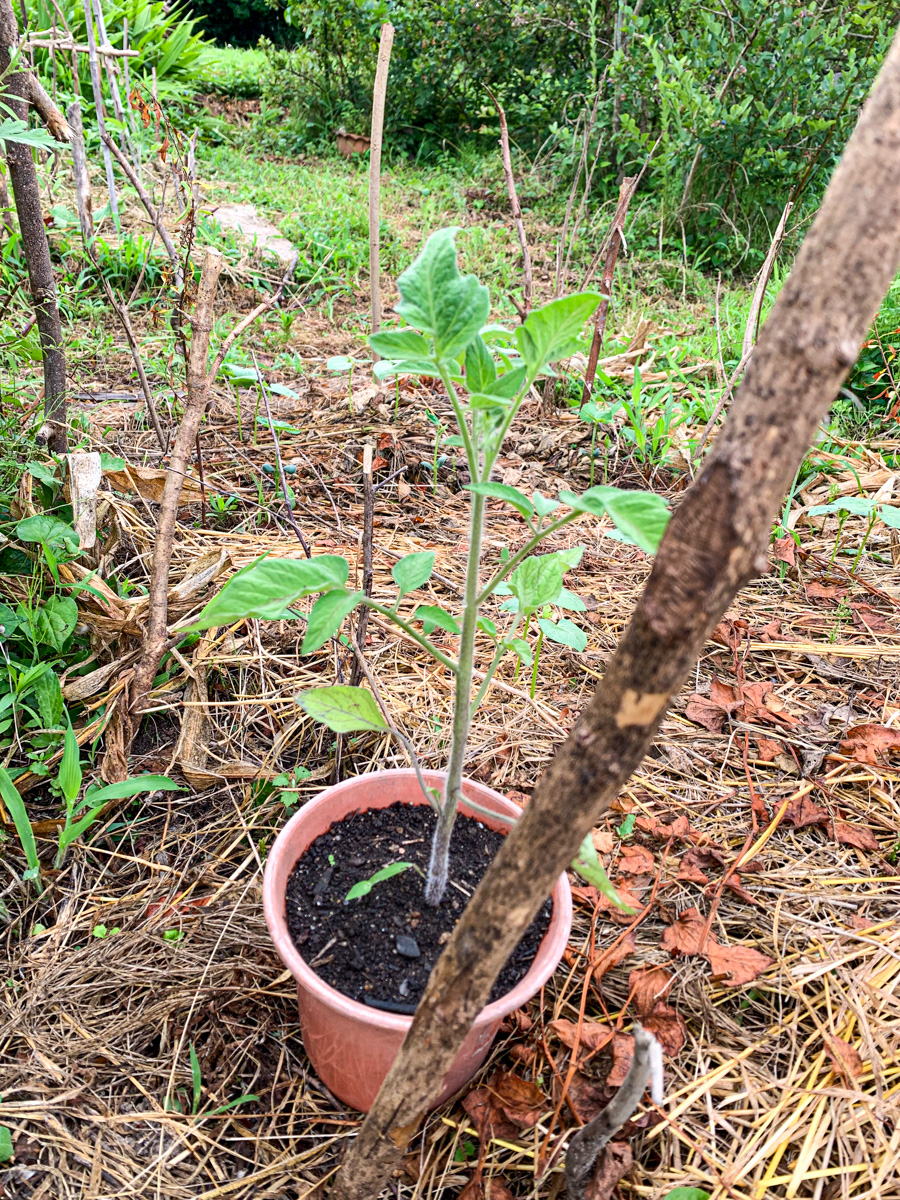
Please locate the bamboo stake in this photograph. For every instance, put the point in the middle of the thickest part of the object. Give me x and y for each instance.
(515, 205)
(381, 78)
(97, 88)
(83, 198)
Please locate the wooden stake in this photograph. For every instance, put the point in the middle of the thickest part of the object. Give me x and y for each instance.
(381, 78)
(716, 542)
(97, 88)
(514, 204)
(368, 574)
(83, 199)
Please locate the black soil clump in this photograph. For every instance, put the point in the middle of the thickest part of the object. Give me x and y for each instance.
(380, 949)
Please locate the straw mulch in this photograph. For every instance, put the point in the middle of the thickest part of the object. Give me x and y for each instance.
(772, 987)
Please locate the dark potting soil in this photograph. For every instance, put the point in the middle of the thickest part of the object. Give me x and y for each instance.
(380, 948)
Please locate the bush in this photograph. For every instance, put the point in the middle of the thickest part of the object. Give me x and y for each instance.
(241, 22)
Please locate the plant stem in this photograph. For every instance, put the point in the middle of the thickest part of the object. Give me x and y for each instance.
(537, 659)
(495, 663)
(413, 633)
(462, 710)
(510, 565)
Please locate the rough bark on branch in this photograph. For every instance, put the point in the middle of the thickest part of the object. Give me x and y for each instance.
(27, 196)
(715, 544)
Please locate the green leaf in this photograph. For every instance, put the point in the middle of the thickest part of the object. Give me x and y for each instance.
(365, 885)
(281, 389)
(268, 586)
(44, 473)
(543, 505)
(343, 709)
(9, 622)
(687, 1193)
(522, 650)
(6, 1144)
(413, 570)
(588, 865)
(326, 616)
(127, 788)
(565, 632)
(508, 385)
(481, 402)
(858, 506)
(569, 601)
(14, 130)
(640, 516)
(433, 617)
(890, 514)
(486, 625)
(552, 332)
(16, 805)
(111, 462)
(440, 301)
(48, 530)
(626, 828)
(55, 620)
(224, 1108)
(196, 1078)
(69, 777)
(537, 580)
(48, 694)
(481, 370)
(408, 366)
(503, 491)
(341, 363)
(400, 343)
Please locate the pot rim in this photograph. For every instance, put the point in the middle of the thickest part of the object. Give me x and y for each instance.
(274, 904)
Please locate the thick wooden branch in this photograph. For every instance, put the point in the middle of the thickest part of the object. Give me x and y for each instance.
(716, 542)
(56, 123)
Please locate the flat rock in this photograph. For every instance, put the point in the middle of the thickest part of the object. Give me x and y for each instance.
(407, 946)
(245, 220)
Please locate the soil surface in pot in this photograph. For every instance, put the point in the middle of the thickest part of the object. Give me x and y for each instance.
(380, 948)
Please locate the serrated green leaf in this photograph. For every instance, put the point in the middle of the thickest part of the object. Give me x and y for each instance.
(343, 709)
(641, 517)
(413, 570)
(365, 885)
(503, 491)
(481, 402)
(552, 332)
(439, 301)
(481, 370)
(400, 344)
(267, 587)
(537, 580)
(433, 617)
(326, 616)
(587, 864)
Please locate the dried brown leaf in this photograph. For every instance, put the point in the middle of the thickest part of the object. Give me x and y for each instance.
(683, 937)
(735, 965)
(668, 1027)
(853, 835)
(648, 986)
(703, 711)
(613, 1165)
(801, 812)
(871, 743)
(619, 950)
(636, 860)
(844, 1057)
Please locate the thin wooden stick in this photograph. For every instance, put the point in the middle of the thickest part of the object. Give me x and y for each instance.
(616, 237)
(97, 88)
(198, 382)
(83, 200)
(514, 204)
(248, 320)
(368, 574)
(762, 283)
(377, 132)
(155, 217)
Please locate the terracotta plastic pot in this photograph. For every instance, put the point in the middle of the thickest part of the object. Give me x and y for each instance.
(352, 143)
(350, 1045)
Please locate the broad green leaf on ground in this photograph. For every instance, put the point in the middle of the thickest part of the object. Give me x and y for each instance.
(239, 374)
(269, 586)
(686, 1193)
(433, 617)
(413, 570)
(565, 632)
(480, 369)
(890, 514)
(55, 620)
(400, 343)
(326, 616)
(365, 885)
(537, 580)
(341, 363)
(641, 516)
(503, 491)
(343, 709)
(857, 506)
(440, 301)
(552, 332)
(49, 530)
(587, 864)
